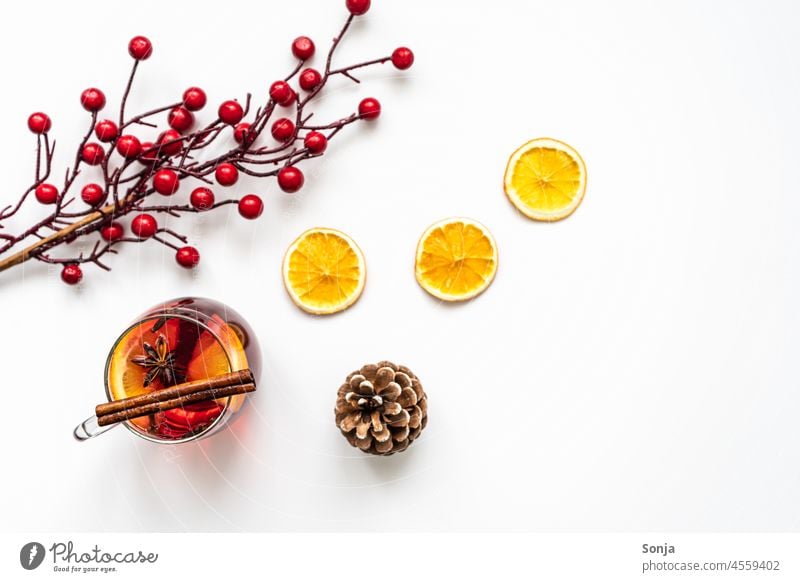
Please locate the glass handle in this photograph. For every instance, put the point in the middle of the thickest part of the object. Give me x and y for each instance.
(89, 429)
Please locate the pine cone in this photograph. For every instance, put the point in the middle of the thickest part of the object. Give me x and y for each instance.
(381, 408)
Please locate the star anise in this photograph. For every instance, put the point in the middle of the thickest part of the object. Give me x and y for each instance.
(159, 362)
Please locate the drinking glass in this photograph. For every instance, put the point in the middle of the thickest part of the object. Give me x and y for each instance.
(178, 341)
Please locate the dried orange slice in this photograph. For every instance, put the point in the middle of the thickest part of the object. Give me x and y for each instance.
(456, 259)
(324, 271)
(545, 179)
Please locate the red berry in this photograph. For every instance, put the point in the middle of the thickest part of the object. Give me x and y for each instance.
(402, 58)
(251, 207)
(303, 48)
(106, 130)
(140, 48)
(166, 182)
(369, 108)
(112, 232)
(283, 129)
(129, 146)
(39, 122)
(93, 194)
(242, 132)
(187, 257)
(226, 174)
(290, 179)
(71, 274)
(310, 79)
(315, 142)
(93, 154)
(281, 93)
(231, 112)
(149, 153)
(291, 100)
(194, 98)
(93, 99)
(202, 198)
(357, 7)
(180, 119)
(144, 226)
(170, 142)
(46, 193)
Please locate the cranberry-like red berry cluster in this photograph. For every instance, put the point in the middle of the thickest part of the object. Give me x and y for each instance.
(181, 119)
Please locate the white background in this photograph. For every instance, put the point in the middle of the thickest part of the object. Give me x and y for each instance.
(631, 368)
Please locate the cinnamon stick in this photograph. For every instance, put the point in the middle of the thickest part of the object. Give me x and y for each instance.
(224, 380)
(160, 406)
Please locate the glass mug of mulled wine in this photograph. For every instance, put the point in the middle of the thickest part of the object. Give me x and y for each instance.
(182, 346)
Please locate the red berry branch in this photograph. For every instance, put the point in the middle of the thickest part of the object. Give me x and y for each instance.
(133, 173)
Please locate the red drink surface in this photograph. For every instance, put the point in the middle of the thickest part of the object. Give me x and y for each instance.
(182, 341)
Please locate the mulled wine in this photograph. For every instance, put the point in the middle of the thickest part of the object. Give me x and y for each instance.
(181, 341)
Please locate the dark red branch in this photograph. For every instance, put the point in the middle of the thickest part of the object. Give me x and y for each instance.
(128, 185)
